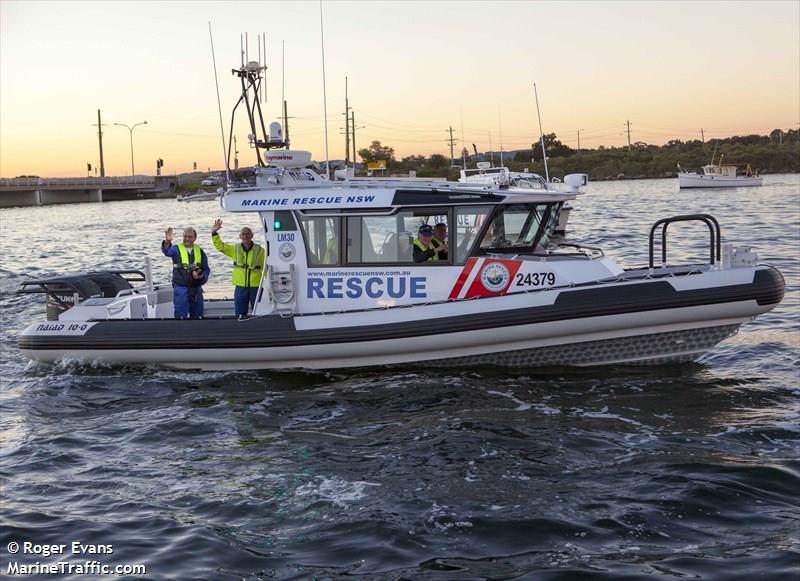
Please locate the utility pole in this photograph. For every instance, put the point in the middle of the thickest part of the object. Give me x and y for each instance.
(346, 127)
(452, 142)
(702, 135)
(100, 139)
(628, 123)
(579, 140)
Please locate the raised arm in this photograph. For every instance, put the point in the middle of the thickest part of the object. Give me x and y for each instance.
(226, 249)
(166, 245)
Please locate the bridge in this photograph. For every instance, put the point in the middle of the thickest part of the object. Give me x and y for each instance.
(33, 191)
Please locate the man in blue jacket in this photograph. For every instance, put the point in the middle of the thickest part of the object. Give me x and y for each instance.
(189, 273)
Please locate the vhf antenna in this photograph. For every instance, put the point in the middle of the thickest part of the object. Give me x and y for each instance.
(541, 134)
(226, 158)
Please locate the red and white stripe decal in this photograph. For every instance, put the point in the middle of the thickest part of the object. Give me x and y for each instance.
(470, 284)
(477, 288)
(462, 278)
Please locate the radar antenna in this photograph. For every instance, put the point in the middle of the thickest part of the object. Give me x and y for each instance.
(252, 75)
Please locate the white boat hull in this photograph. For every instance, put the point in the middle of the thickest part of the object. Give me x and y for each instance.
(526, 346)
(703, 181)
(642, 321)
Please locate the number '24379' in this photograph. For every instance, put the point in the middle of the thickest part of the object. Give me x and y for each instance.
(535, 279)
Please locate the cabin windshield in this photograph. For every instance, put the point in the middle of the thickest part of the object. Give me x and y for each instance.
(519, 228)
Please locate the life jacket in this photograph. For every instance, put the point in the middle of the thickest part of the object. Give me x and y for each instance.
(248, 265)
(197, 257)
(418, 244)
(182, 266)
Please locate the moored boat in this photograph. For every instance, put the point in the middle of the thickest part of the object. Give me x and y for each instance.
(719, 176)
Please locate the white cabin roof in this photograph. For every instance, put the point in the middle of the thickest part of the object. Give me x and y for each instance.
(372, 194)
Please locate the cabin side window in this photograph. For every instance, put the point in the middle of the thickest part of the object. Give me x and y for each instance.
(549, 227)
(389, 239)
(322, 236)
(468, 222)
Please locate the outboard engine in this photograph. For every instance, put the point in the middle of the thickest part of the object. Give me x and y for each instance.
(64, 292)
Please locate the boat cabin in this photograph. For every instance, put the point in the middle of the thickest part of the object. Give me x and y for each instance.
(334, 246)
(727, 170)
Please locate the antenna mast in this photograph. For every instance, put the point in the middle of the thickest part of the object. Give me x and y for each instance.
(252, 75)
(265, 66)
(283, 95)
(541, 135)
(324, 92)
(219, 106)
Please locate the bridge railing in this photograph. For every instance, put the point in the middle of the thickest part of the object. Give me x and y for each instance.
(88, 181)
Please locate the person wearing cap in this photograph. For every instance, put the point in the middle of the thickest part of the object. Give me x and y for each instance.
(424, 249)
(440, 239)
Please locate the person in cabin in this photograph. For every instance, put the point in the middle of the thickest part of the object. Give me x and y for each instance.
(424, 248)
(190, 272)
(248, 266)
(440, 239)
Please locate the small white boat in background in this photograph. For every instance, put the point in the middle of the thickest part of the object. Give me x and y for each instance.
(502, 176)
(718, 176)
(199, 196)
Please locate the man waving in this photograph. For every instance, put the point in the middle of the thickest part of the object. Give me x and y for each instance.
(189, 273)
(248, 265)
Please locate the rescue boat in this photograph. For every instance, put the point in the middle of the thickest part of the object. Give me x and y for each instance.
(342, 289)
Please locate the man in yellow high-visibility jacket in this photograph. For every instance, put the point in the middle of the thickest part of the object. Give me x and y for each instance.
(248, 266)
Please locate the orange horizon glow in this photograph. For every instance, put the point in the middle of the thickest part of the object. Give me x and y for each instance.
(414, 70)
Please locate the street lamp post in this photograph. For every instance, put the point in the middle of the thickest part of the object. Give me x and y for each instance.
(130, 129)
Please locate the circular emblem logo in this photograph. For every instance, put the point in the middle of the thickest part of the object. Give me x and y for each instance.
(494, 277)
(286, 251)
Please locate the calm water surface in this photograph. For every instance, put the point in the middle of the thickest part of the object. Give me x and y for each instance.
(667, 472)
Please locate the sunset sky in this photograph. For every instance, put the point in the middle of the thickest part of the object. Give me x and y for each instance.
(414, 68)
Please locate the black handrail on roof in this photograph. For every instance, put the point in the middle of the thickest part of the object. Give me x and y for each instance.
(715, 235)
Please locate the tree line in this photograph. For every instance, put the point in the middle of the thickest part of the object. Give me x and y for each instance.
(777, 152)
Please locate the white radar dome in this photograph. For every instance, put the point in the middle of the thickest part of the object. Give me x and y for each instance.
(275, 132)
